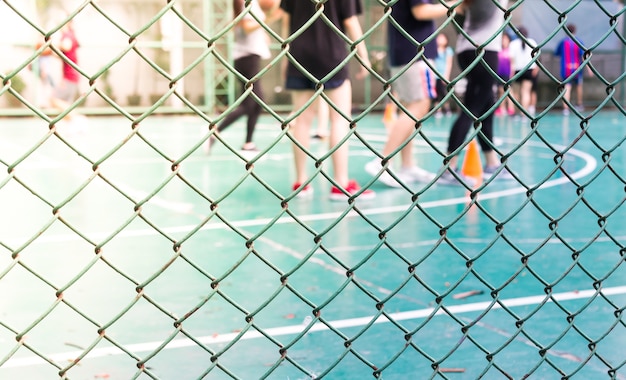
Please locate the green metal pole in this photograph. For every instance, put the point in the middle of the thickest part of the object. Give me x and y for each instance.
(623, 82)
(209, 86)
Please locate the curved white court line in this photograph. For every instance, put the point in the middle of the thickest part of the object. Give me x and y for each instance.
(147, 347)
(589, 167)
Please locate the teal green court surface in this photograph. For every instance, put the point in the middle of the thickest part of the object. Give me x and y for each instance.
(135, 254)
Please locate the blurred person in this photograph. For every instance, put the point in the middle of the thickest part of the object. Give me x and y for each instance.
(320, 50)
(443, 66)
(520, 50)
(323, 109)
(250, 47)
(483, 20)
(414, 88)
(68, 89)
(504, 72)
(570, 50)
(44, 69)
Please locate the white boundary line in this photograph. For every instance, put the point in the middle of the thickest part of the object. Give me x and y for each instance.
(590, 165)
(148, 347)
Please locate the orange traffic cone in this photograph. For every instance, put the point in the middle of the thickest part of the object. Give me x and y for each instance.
(472, 167)
(390, 114)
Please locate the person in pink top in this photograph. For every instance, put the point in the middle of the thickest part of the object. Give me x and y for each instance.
(504, 72)
(67, 91)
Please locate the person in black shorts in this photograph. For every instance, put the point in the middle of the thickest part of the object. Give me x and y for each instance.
(321, 52)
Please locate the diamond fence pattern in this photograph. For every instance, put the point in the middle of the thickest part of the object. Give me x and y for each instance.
(220, 357)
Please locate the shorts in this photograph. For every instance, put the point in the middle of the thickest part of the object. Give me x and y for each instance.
(527, 75)
(574, 79)
(415, 84)
(301, 83)
(67, 91)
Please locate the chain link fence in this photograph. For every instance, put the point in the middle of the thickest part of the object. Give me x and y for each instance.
(175, 57)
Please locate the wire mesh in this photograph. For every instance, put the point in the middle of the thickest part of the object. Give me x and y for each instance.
(285, 285)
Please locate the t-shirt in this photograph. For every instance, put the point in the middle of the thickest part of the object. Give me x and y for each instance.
(504, 64)
(521, 54)
(254, 43)
(571, 56)
(483, 20)
(69, 73)
(401, 49)
(319, 49)
(441, 62)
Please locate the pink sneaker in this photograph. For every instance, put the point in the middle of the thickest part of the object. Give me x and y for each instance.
(351, 189)
(302, 192)
(498, 112)
(511, 112)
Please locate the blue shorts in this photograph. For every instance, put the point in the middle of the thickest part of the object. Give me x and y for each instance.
(575, 79)
(300, 83)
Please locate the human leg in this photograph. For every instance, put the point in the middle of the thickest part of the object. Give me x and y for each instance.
(526, 94)
(247, 66)
(300, 131)
(566, 97)
(478, 99)
(579, 92)
(415, 89)
(339, 128)
(322, 120)
(402, 129)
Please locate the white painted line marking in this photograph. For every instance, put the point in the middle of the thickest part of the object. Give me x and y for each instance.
(138, 348)
(590, 165)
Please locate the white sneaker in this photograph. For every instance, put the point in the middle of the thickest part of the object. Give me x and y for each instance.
(417, 174)
(489, 171)
(448, 179)
(374, 167)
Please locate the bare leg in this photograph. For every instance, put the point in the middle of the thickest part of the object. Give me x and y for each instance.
(579, 94)
(402, 129)
(567, 95)
(339, 128)
(322, 117)
(526, 95)
(300, 128)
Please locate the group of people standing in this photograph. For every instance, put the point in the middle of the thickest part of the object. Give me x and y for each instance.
(319, 52)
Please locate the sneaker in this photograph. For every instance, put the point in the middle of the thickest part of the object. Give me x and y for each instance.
(249, 147)
(499, 112)
(511, 111)
(417, 174)
(351, 189)
(489, 171)
(374, 167)
(565, 111)
(448, 179)
(302, 192)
